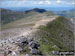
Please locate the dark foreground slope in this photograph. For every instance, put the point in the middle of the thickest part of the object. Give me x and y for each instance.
(56, 36)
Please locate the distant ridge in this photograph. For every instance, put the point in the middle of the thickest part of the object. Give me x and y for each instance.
(9, 15)
(69, 13)
(37, 10)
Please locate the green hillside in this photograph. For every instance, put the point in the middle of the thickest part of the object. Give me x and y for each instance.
(56, 36)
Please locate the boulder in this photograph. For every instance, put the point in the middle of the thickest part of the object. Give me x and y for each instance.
(24, 41)
(27, 55)
(34, 44)
(34, 51)
(54, 52)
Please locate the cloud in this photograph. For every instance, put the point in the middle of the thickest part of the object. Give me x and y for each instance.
(40, 2)
(15, 3)
(21, 3)
(45, 2)
(48, 2)
(58, 1)
(13, 0)
(73, 3)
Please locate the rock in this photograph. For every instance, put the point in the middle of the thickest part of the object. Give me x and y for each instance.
(34, 44)
(13, 50)
(54, 52)
(27, 55)
(14, 54)
(9, 51)
(34, 51)
(30, 39)
(54, 46)
(24, 41)
(1, 54)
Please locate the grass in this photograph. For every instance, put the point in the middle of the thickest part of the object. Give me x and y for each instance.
(45, 44)
(57, 33)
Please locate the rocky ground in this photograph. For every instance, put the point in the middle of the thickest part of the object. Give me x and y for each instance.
(13, 45)
(20, 45)
(24, 42)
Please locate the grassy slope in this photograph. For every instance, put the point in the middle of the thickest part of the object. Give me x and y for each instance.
(56, 33)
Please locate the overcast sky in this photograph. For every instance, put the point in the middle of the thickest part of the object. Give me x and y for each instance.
(24, 3)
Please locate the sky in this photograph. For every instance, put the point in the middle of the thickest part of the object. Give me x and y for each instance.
(36, 3)
(24, 3)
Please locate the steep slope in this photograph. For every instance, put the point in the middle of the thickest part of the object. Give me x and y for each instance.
(56, 36)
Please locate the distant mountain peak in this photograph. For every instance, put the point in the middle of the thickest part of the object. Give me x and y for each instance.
(37, 10)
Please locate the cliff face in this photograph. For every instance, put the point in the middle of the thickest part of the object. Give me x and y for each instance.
(56, 36)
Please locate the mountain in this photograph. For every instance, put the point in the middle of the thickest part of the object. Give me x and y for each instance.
(37, 10)
(9, 16)
(70, 13)
(56, 36)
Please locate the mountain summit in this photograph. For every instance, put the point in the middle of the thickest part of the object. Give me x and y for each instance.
(37, 10)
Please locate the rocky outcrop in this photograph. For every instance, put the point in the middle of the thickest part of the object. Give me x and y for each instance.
(20, 45)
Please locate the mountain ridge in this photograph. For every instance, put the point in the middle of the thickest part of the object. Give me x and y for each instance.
(56, 36)
(12, 15)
